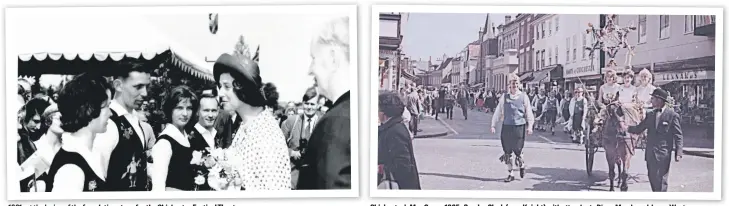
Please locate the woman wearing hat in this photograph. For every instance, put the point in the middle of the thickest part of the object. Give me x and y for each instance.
(515, 112)
(47, 146)
(259, 143)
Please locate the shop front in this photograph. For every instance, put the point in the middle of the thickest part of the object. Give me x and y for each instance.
(581, 74)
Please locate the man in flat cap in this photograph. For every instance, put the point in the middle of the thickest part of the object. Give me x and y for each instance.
(664, 136)
(328, 162)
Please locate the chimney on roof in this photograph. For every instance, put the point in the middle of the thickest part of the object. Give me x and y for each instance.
(507, 19)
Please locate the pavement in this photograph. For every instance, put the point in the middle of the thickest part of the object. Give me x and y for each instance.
(467, 158)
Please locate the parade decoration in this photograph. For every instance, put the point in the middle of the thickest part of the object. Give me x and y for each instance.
(611, 39)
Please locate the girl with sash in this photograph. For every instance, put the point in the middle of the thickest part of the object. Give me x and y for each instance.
(84, 106)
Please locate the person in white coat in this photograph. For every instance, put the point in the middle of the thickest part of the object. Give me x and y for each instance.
(578, 115)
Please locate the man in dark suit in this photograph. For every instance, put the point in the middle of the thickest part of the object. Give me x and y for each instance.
(327, 161)
(664, 136)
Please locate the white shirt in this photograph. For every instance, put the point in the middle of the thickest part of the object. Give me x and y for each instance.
(105, 142)
(45, 150)
(606, 89)
(71, 178)
(208, 135)
(161, 153)
(311, 123)
(644, 94)
(627, 94)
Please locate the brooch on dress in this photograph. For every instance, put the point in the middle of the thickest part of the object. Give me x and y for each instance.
(92, 185)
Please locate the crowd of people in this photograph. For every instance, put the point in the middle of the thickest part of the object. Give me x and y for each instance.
(518, 113)
(96, 133)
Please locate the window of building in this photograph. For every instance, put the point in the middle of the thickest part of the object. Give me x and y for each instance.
(556, 54)
(550, 56)
(574, 48)
(536, 31)
(537, 61)
(664, 27)
(688, 24)
(568, 49)
(543, 58)
(584, 44)
(556, 24)
(550, 27)
(642, 29)
(542, 30)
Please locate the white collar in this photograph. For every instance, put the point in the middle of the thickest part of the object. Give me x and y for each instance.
(72, 143)
(118, 108)
(177, 135)
(202, 130)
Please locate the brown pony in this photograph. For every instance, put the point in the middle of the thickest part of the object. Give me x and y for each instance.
(619, 145)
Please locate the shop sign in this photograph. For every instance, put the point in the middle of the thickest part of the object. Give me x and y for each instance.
(580, 71)
(683, 76)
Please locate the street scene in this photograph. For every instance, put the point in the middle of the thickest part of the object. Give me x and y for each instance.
(589, 102)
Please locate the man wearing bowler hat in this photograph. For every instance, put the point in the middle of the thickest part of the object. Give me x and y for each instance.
(664, 136)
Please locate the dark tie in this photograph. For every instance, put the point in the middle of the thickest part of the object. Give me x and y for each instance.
(658, 115)
(307, 130)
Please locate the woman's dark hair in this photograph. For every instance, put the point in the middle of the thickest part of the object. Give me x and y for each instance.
(247, 83)
(174, 97)
(34, 107)
(80, 100)
(390, 104)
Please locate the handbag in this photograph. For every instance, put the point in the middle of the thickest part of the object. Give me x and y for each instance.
(387, 182)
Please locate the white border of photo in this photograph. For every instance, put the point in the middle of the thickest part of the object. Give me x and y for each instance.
(13, 50)
(496, 194)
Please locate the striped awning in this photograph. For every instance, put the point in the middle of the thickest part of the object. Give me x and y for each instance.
(37, 64)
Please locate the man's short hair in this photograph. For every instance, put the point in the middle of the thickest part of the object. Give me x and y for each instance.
(132, 65)
(309, 94)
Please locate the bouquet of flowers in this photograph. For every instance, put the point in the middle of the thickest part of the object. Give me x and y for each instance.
(215, 168)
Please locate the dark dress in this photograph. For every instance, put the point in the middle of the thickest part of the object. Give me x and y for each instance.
(395, 152)
(179, 171)
(578, 114)
(92, 182)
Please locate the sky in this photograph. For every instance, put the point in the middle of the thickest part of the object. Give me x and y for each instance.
(284, 38)
(435, 34)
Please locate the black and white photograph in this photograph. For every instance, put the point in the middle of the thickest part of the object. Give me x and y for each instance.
(181, 102)
(611, 102)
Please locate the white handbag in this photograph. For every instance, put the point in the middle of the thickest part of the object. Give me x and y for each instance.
(388, 183)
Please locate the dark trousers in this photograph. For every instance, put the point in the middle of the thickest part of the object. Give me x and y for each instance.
(464, 108)
(512, 139)
(449, 112)
(414, 124)
(658, 174)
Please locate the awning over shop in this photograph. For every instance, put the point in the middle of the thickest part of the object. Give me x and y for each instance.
(540, 76)
(528, 76)
(477, 85)
(60, 46)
